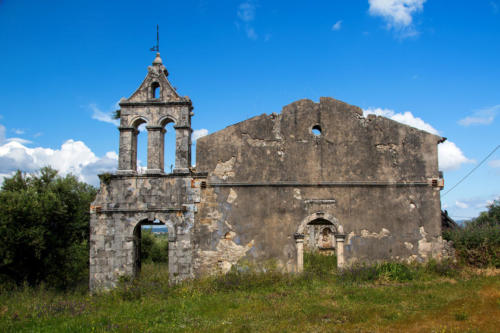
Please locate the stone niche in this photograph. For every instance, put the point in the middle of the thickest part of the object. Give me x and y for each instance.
(319, 236)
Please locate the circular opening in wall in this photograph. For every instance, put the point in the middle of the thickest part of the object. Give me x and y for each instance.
(316, 130)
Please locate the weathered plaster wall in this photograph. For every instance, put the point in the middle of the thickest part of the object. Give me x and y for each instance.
(282, 147)
(267, 174)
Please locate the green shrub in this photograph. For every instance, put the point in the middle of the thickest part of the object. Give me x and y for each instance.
(147, 241)
(159, 251)
(395, 271)
(154, 248)
(477, 243)
(44, 229)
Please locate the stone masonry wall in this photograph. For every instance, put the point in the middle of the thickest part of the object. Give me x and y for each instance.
(122, 205)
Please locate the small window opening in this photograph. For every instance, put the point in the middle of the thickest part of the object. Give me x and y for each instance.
(155, 90)
(316, 130)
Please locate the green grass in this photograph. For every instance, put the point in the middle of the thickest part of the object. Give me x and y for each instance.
(388, 297)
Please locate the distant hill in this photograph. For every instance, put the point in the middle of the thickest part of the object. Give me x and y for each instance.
(156, 229)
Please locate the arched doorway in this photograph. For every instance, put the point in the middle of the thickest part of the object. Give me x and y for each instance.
(150, 244)
(320, 232)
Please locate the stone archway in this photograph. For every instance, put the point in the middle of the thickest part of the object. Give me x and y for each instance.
(327, 221)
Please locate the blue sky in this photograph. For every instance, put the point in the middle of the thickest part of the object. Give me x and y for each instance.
(431, 64)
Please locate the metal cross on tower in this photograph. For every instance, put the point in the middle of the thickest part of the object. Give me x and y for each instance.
(157, 47)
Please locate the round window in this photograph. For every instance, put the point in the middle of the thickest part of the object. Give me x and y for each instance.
(316, 130)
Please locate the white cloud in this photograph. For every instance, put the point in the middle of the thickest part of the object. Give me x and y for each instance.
(18, 131)
(466, 208)
(494, 164)
(337, 26)
(2, 134)
(450, 157)
(397, 13)
(495, 6)
(73, 157)
(251, 33)
(199, 133)
(246, 14)
(20, 140)
(4, 139)
(406, 118)
(107, 163)
(246, 11)
(481, 117)
(102, 116)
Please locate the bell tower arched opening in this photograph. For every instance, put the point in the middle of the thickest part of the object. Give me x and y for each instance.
(169, 146)
(155, 90)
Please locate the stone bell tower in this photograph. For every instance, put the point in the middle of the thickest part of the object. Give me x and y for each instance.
(129, 199)
(155, 103)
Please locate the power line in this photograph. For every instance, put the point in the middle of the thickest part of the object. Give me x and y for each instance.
(470, 172)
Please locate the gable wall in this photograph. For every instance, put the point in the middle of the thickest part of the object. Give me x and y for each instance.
(263, 177)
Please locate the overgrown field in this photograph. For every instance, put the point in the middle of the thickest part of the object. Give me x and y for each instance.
(387, 297)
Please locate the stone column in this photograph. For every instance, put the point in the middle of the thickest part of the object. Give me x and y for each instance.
(156, 144)
(173, 269)
(127, 161)
(299, 244)
(340, 238)
(182, 149)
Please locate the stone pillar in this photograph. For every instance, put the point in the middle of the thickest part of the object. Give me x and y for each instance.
(156, 144)
(340, 238)
(299, 244)
(127, 161)
(182, 149)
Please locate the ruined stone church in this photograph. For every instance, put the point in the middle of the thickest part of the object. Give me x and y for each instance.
(314, 177)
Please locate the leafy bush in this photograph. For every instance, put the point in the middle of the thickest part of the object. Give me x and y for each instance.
(154, 248)
(44, 229)
(477, 243)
